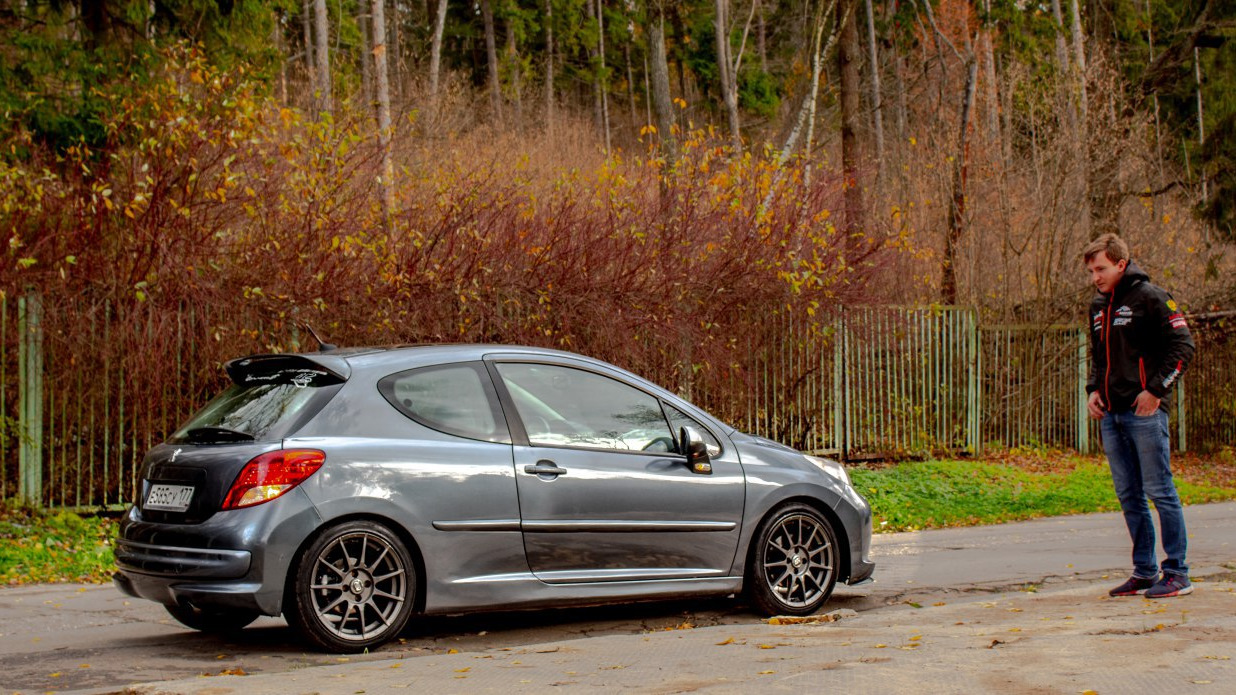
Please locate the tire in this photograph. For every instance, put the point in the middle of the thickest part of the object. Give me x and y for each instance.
(218, 621)
(352, 588)
(793, 563)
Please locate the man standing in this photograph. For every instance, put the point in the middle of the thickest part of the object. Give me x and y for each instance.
(1140, 345)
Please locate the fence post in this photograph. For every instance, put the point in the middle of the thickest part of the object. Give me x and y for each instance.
(1083, 413)
(841, 390)
(30, 398)
(974, 419)
(1181, 441)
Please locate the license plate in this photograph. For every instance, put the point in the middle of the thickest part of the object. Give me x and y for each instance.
(169, 498)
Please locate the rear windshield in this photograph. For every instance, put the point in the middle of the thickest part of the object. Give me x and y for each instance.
(248, 413)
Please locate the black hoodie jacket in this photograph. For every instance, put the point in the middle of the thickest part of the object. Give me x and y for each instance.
(1139, 340)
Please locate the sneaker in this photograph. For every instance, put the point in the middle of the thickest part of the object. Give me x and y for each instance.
(1170, 585)
(1132, 587)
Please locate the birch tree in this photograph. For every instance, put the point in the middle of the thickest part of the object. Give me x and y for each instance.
(322, 51)
(382, 88)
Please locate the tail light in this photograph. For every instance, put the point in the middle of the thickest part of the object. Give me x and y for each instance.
(272, 474)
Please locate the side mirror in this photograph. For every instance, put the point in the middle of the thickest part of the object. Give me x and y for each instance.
(693, 447)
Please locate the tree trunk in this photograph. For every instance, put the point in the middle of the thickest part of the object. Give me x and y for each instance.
(877, 100)
(725, 72)
(512, 59)
(322, 36)
(957, 206)
(366, 32)
(311, 68)
(549, 66)
(989, 79)
(847, 60)
(603, 73)
(435, 54)
(276, 36)
(382, 87)
(1079, 62)
(662, 105)
(626, 53)
(762, 37)
(491, 58)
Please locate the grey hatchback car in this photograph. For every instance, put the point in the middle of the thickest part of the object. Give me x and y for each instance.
(351, 489)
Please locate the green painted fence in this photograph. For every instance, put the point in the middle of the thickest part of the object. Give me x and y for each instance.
(86, 388)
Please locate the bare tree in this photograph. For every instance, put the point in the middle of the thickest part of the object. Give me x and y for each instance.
(366, 31)
(728, 65)
(602, 80)
(957, 200)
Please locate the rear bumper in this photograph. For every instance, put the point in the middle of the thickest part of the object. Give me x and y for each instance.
(236, 559)
(238, 595)
(170, 561)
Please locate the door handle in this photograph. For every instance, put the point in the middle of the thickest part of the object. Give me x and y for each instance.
(545, 468)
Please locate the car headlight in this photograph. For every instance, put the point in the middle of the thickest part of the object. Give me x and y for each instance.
(830, 467)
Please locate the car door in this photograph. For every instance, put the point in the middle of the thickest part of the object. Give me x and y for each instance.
(603, 495)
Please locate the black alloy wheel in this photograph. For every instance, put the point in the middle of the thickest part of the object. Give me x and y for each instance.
(794, 560)
(353, 588)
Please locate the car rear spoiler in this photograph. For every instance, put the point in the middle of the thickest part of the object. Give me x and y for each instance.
(302, 370)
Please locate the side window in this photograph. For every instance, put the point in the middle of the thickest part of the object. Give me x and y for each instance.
(561, 406)
(680, 419)
(456, 399)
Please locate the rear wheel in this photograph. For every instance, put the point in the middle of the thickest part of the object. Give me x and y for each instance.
(352, 588)
(793, 564)
(212, 620)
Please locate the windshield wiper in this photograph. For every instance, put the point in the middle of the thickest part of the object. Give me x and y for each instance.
(217, 434)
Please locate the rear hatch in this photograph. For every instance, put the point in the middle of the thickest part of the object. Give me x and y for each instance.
(186, 479)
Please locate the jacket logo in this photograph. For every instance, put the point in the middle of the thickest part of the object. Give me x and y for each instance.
(1097, 323)
(1178, 321)
(1122, 321)
(1124, 311)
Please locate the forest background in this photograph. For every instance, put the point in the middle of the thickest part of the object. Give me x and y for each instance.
(668, 185)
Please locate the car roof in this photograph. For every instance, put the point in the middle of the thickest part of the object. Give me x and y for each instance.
(380, 356)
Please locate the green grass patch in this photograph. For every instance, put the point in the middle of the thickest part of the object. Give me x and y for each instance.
(935, 494)
(54, 547)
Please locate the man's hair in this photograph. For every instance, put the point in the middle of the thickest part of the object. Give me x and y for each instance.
(1112, 245)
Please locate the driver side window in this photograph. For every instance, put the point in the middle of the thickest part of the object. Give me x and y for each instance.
(562, 406)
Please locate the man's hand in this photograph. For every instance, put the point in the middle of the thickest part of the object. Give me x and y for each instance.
(1145, 404)
(1095, 405)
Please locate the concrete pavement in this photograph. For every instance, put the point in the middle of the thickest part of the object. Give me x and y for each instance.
(968, 586)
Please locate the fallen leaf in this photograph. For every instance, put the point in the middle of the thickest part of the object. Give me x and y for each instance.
(995, 643)
(939, 603)
(765, 673)
(881, 646)
(915, 638)
(1201, 682)
(452, 651)
(399, 665)
(729, 640)
(767, 646)
(465, 669)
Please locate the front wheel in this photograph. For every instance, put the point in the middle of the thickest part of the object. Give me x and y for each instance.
(353, 588)
(793, 564)
(216, 621)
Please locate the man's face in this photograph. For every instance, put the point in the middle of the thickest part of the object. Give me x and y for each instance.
(1105, 274)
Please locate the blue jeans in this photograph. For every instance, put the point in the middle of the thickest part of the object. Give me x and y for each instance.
(1138, 452)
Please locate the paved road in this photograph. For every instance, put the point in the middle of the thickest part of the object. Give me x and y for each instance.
(71, 637)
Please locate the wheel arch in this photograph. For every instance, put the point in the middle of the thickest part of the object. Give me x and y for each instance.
(843, 540)
(400, 531)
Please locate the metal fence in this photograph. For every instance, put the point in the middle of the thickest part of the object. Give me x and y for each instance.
(86, 389)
